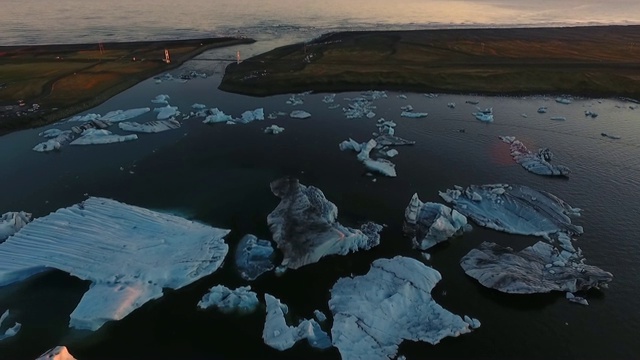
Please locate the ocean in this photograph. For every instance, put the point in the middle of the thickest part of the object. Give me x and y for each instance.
(220, 174)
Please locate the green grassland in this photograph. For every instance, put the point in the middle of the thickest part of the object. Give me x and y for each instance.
(592, 61)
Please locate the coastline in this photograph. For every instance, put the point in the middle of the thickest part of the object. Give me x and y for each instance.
(594, 61)
(49, 115)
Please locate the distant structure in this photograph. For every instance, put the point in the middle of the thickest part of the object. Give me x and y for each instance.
(238, 57)
(167, 58)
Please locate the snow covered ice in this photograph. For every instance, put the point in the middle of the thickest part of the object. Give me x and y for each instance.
(536, 269)
(515, 209)
(375, 312)
(241, 300)
(128, 253)
(11, 222)
(305, 229)
(431, 223)
(535, 162)
(254, 257)
(97, 136)
(280, 336)
(150, 127)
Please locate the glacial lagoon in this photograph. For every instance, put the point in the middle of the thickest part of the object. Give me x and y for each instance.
(219, 175)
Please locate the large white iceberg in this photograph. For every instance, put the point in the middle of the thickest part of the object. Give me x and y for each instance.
(128, 253)
(431, 223)
(122, 115)
(280, 336)
(150, 127)
(374, 313)
(536, 269)
(11, 222)
(515, 209)
(538, 162)
(98, 136)
(57, 353)
(241, 300)
(305, 229)
(254, 257)
(10, 331)
(166, 112)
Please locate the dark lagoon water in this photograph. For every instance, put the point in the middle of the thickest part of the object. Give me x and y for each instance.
(220, 175)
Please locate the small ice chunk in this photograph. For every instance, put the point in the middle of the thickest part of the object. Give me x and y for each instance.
(475, 323)
(407, 108)
(57, 353)
(576, 299)
(217, 116)
(299, 114)
(150, 127)
(273, 129)
(381, 166)
(402, 96)
(328, 99)
(199, 106)
(563, 100)
(411, 114)
(484, 117)
(10, 332)
(535, 162)
(391, 153)
(350, 145)
(241, 300)
(254, 257)
(161, 99)
(428, 224)
(388, 140)
(542, 109)
(11, 222)
(166, 112)
(249, 116)
(320, 316)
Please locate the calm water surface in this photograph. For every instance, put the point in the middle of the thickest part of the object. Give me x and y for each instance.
(220, 175)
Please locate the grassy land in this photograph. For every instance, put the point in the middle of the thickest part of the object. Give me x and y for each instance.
(67, 79)
(591, 61)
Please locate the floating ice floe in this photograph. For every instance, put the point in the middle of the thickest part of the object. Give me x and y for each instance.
(350, 145)
(280, 336)
(558, 118)
(616, 137)
(536, 269)
(151, 126)
(414, 115)
(11, 222)
(485, 115)
(472, 102)
(254, 257)
(299, 114)
(161, 99)
(402, 96)
(128, 253)
(305, 229)
(391, 153)
(374, 94)
(538, 162)
(428, 224)
(295, 100)
(431, 95)
(97, 136)
(451, 105)
(389, 140)
(328, 99)
(407, 108)
(241, 300)
(57, 353)
(590, 113)
(576, 299)
(515, 209)
(166, 112)
(386, 127)
(122, 115)
(273, 129)
(83, 118)
(320, 316)
(542, 109)
(11, 331)
(251, 115)
(57, 139)
(217, 116)
(359, 108)
(374, 313)
(563, 100)
(197, 106)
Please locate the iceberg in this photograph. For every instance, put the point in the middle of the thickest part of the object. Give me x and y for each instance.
(389, 140)
(558, 118)
(166, 112)
(576, 299)
(536, 269)
(280, 336)
(10, 332)
(406, 108)
(515, 209)
(537, 163)
(249, 116)
(381, 166)
(97, 136)
(591, 113)
(295, 100)
(305, 229)
(563, 100)
(391, 153)
(122, 115)
(375, 312)
(359, 108)
(273, 129)
(56, 139)
(198, 106)
(386, 127)
(483, 116)
(299, 114)
(217, 116)
(428, 224)
(351, 145)
(161, 99)
(542, 109)
(11, 222)
(411, 114)
(53, 133)
(241, 300)
(128, 253)
(254, 257)
(151, 126)
(57, 353)
(402, 96)
(328, 99)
